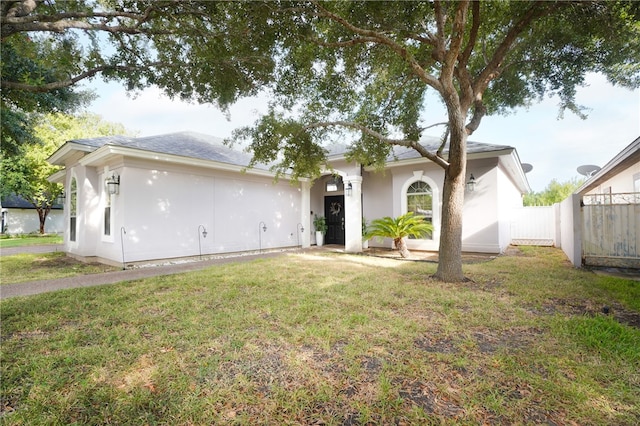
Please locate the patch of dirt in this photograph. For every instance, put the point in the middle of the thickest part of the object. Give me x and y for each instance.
(436, 345)
(67, 262)
(427, 397)
(488, 341)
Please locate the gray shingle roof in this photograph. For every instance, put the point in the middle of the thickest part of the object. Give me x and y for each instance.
(185, 144)
(432, 144)
(205, 147)
(14, 201)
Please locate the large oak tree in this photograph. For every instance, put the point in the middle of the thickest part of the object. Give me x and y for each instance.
(356, 70)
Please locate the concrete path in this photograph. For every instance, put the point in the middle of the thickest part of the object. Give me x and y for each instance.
(44, 286)
(47, 248)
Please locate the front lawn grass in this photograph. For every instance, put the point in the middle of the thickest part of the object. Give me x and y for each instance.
(45, 266)
(29, 240)
(329, 339)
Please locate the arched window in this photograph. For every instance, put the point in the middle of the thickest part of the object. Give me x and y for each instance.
(73, 208)
(420, 201)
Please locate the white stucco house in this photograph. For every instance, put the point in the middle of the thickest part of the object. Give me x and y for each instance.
(18, 216)
(139, 199)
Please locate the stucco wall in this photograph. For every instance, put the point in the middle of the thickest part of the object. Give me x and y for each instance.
(163, 211)
(620, 183)
(26, 221)
(571, 229)
(158, 214)
(509, 199)
(87, 220)
(480, 226)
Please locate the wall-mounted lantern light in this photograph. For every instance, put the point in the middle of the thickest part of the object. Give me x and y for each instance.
(204, 235)
(349, 189)
(471, 185)
(113, 184)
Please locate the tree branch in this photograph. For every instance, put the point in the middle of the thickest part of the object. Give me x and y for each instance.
(60, 22)
(398, 142)
(381, 39)
(71, 81)
(492, 70)
(479, 111)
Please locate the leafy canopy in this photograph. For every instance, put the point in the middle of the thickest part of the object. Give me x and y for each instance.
(554, 193)
(26, 174)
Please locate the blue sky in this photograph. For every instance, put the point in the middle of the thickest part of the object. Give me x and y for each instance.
(555, 147)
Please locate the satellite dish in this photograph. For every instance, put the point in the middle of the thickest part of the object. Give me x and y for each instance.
(526, 167)
(588, 170)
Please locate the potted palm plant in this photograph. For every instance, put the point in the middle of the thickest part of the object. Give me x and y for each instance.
(320, 224)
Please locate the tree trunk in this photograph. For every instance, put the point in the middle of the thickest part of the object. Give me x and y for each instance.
(42, 215)
(401, 245)
(450, 250)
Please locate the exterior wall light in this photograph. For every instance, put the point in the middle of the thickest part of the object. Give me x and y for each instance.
(113, 184)
(349, 189)
(471, 185)
(204, 235)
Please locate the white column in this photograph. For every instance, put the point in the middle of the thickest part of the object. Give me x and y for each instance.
(305, 216)
(353, 214)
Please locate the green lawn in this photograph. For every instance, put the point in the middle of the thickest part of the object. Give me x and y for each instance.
(29, 240)
(45, 266)
(329, 339)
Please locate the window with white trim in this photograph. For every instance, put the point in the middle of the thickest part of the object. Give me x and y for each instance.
(420, 202)
(107, 213)
(73, 209)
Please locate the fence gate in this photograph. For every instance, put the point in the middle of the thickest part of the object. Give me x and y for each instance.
(534, 226)
(611, 230)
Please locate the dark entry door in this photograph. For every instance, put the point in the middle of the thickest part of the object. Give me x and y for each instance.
(334, 214)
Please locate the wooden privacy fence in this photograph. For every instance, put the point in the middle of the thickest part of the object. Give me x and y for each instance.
(534, 226)
(611, 230)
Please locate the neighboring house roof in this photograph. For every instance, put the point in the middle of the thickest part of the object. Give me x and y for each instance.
(17, 202)
(625, 158)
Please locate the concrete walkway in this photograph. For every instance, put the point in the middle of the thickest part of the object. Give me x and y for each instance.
(47, 248)
(90, 280)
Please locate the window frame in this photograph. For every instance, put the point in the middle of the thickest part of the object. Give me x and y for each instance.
(436, 204)
(73, 209)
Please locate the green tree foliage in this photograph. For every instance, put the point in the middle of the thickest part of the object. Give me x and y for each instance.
(48, 47)
(361, 71)
(26, 174)
(399, 228)
(364, 72)
(554, 193)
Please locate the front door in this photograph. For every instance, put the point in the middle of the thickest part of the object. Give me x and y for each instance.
(334, 214)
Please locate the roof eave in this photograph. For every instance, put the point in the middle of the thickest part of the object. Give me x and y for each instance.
(58, 177)
(628, 155)
(103, 154)
(58, 158)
